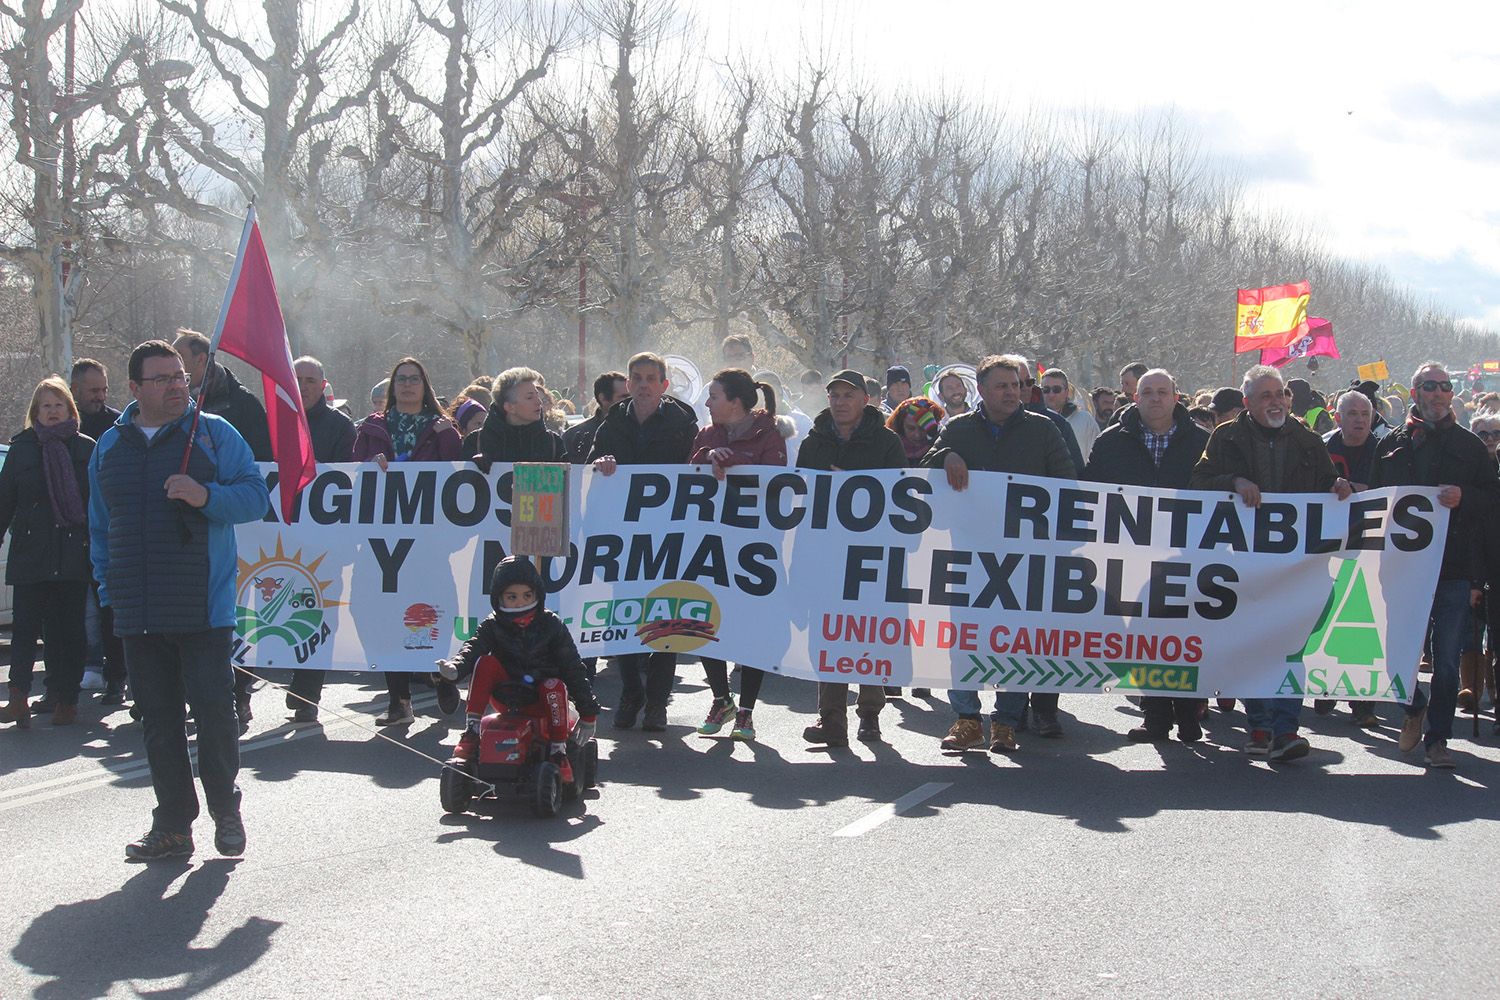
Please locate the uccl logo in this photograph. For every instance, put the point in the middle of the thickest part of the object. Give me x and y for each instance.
(673, 618)
(280, 597)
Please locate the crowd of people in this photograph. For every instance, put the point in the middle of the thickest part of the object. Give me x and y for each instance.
(123, 558)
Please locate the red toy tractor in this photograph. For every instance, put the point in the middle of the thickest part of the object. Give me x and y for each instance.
(513, 758)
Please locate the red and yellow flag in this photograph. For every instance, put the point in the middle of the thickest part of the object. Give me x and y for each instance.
(1271, 317)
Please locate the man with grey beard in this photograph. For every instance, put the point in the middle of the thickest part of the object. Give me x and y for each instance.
(1263, 450)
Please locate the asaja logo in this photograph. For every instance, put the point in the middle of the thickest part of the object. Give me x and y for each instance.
(281, 599)
(1344, 655)
(674, 618)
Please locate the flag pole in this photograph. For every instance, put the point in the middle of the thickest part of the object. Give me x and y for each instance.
(208, 376)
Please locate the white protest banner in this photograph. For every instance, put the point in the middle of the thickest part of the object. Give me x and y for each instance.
(887, 577)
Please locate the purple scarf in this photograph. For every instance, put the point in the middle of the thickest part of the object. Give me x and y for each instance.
(57, 464)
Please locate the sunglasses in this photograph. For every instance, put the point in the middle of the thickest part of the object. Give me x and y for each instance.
(1487, 435)
(1433, 385)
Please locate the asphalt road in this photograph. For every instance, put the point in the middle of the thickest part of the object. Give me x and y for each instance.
(1087, 866)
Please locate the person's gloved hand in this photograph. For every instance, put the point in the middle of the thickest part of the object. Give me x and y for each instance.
(585, 729)
(447, 669)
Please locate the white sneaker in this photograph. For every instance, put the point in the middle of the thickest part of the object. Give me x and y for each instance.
(93, 680)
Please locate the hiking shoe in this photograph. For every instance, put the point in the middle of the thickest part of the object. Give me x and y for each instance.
(1259, 744)
(827, 732)
(1365, 718)
(744, 726)
(1046, 725)
(229, 835)
(964, 734)
(307, 713)
(1189, 732)
(628, 710)
(398, 714)
(114, 693)
(1289, 746)
(158, 845)
(655, 719)
(1438, 755)
(719, 714)
(1002, 738)
(1411, 731)
(1468, 701)
(1146, 734)
(447, 695)
(869, 728)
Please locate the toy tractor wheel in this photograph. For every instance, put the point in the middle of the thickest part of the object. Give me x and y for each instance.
(455, 790)
(588, 767)
(547, 796)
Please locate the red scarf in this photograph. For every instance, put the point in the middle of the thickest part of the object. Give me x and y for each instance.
(1419, 428)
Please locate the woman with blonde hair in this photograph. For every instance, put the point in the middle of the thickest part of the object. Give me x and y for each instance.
(44, 506)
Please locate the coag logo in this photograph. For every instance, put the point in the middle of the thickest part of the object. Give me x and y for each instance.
(281, 598)
(673, 618)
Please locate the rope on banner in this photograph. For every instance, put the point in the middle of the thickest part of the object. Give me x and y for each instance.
(359, 725)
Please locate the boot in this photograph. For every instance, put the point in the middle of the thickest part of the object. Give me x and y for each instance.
(1470, 682)
(398, 714)
(18, 711)
(831, 729)
(64, 715)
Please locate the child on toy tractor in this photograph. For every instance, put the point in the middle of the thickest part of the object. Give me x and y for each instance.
(522, 643)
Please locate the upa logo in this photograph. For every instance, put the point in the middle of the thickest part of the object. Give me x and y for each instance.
(674, 618)
(281, 601)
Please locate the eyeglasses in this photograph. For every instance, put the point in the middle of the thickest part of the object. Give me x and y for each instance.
(407, 380)
(1433, 385)
(1487, 435)
(1053, 390)
(176, 380)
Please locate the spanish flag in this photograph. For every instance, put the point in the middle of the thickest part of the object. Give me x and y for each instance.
(1271, 317)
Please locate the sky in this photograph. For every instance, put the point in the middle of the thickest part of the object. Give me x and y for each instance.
(1376, 124)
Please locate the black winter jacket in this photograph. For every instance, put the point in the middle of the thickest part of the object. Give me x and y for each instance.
(95, 424)
(1027, 444)
(332, 433)
(41, 551)
(1453, 456)
(578, 440)
(1066, 430)
(873, 445)
(1120, 455)
(1293, 460)
(666, 438)
(229, 399)
(543, 649)
(501, 441)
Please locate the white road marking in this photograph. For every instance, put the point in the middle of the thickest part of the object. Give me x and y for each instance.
(894, 809)
(68, 784)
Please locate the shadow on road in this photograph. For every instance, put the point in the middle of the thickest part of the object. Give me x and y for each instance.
(517, 834)
(141, 932)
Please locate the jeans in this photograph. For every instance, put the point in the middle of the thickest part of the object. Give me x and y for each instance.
(660, 670)
(50, 612)
(1451, 626)
(1277, 716)
(1010, 706)
(167, 671)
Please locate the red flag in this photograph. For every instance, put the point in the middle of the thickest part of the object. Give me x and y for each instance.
(251, 329)
(1317, 342)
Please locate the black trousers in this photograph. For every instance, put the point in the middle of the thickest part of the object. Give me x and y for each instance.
(649, 675)
(50, 613)
(717, 672)
(1161, 713)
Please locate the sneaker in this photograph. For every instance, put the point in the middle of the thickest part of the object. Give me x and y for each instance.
(157, 845)
(114, 693)
(93, 680)
(307, 713)
(827, 732)
(1289, 746)
(964, 734)
(628, 710)
(655, 719)
(744, 726)
(1002, 738)
(1438, 755)
(869, 728)
(1259, 744)
(242, 709)
(719, 713)
(399, 713)
(229, 835)
(1046, 725)
(1323, 705)
(1146, 734)
(448, 698)
(1411, 731)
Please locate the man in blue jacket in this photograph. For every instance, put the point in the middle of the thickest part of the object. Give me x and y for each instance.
(164, 554)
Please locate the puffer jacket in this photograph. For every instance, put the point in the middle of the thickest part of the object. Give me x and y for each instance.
(764, 445)
(873, 445)
(41, 550)
(666, 438)
(163, 566)
(1120, 455)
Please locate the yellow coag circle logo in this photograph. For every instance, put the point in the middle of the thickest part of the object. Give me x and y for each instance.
(678, 618)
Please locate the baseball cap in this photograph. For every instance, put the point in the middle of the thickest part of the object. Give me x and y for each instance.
(849, 377)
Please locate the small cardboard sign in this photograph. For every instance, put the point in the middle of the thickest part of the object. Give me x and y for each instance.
(1375, 371)
(539, 509)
